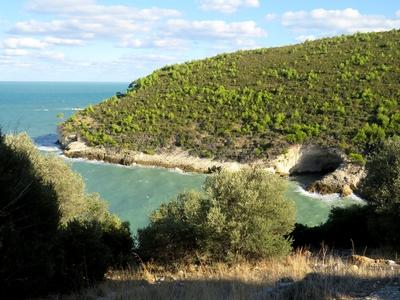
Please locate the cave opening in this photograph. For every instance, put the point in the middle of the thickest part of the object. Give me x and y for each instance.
(317, 163)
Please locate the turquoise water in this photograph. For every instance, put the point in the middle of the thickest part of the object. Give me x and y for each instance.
(132, 192)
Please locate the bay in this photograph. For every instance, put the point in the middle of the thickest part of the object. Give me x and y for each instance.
(132, 192)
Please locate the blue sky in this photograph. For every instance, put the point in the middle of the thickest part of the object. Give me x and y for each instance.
(120, 40)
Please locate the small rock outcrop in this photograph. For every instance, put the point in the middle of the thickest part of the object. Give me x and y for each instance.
(342, 176)
(344, 180)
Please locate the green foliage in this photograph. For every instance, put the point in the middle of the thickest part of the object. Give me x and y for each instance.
(348, 85)
(359, 226)
(381, 187)
(73, 201)
(28, 226)
(238, 215)
(357, 158)
(53, 236)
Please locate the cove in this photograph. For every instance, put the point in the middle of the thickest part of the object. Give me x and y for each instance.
(134, 192)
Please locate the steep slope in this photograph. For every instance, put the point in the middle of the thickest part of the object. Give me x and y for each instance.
(339, 92)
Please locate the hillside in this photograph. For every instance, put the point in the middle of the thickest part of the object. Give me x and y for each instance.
(340, 92)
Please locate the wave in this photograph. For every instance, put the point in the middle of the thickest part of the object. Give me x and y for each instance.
(329, 198)
(52, 149)
(71, 109)
(96, 162)
(132, 166)
(59, 109)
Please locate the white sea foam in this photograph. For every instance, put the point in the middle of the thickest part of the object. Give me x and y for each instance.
(60, 109)
(71, 109)
(132, 166)
(97, 162)
(53, 149)
(329, 198)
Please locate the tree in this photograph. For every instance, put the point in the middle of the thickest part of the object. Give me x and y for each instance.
(238, 215)
(53, 236)
(29, 219)
(381, 187)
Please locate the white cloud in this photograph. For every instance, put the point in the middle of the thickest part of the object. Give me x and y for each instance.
(86, 19)
(62, 42)
(77, 8)
(33, 43)
(14, 43)
(227, 6)
(51, 55)
(215, 29)
(77, 28)
(336, 21)
(398, 13)
(165, 43)
(15, 52)
(270, 17)
(303, 38)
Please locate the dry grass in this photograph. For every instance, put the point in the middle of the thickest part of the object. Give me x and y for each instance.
(299, 276)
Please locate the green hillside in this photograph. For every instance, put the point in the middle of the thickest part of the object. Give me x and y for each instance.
(341, 91)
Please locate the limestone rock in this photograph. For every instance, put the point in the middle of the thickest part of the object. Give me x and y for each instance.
(343, 180)
(346, 191)
(76, 147)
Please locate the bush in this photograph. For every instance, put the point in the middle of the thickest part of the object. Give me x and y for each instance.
(53, 236)
(381, 187)
(238, 215)
(84, 258)
(29, 220)
(357, 225)
(343, 227)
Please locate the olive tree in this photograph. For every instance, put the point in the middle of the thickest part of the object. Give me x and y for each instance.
(240, 214)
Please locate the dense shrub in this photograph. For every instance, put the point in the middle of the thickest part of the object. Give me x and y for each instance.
(29, 220)
(381, 187)
(84, 258)
(73, 201)
(238, 215)
(343, 227)
(46, 243)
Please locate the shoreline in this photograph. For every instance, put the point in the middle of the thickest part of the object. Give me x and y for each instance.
(173, 160)
(328, 198)
(298, 159)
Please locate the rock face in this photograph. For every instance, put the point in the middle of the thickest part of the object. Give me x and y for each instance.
(307, 159)
(342, 176)
(168, 159)
(343, 179)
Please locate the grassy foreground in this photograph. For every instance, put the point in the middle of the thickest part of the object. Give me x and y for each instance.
(298, 276)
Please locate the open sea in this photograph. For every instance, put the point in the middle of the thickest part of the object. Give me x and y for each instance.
(132, 192)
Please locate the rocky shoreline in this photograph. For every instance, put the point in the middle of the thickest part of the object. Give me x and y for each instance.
(298, 159)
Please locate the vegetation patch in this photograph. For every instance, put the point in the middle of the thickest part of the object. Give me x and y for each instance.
(340, 92)
(242, 215)
(54, 237)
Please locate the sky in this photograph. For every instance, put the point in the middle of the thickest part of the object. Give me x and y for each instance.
(121, 40)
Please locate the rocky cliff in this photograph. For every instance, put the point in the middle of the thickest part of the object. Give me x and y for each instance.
(341, 176)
